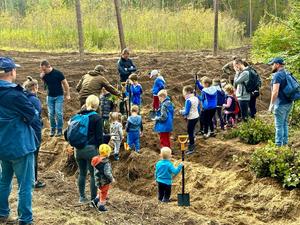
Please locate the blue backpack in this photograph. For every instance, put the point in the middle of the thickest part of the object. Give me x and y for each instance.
(292, 88)
(77, 131)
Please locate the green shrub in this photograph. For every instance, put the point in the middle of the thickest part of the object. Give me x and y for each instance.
(253, 132)
(282, 163)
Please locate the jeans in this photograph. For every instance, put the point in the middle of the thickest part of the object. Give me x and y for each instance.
(133, 140)
(23, 168)
(83, 158)
(252, 105)
(219, 114)
(191, 124)
(164, 191)
(244, 107)
(281, 113)
(55, 112)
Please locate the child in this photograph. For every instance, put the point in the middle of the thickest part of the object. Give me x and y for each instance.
(164, 119)
(135, 90)
(209, 105)
(220, 102)
(31, 89)
(229, 106)
(134, 129)
(164, 170)
(159, 84)
(116, 130)
(191, 113)
(103, 176)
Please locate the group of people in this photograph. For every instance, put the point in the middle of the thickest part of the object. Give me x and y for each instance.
(208, 101)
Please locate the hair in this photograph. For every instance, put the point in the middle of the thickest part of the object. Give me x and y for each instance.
(133, 77)
(30, 83)
(207, 80)
(135, 109)
(166, 152)
(216, 81)
(229, 89)
(104, 150)
(162, 93)
(125, 51)
(239, 61)
(188, 89)
(45, 63)
(92, 102)
(224, 81)
(115, 116)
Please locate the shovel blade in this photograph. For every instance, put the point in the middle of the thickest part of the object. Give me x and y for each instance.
(183, 199)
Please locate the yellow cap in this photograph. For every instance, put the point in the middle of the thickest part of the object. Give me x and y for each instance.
(104, 150)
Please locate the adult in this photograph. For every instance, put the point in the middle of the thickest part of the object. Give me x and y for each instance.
(229, 70)
(56, 84)
(240, 79)
(92, 84)
(281, 104)
(84, 156)
(17, 144)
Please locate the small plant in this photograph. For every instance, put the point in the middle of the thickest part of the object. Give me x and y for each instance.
(282, 163)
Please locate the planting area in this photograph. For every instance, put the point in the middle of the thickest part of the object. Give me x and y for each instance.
(223, 189)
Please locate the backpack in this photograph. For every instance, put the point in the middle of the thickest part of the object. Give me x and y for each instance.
(221, 97)
(292, 88)
(254, 82)
(236, 106)
(77, 131)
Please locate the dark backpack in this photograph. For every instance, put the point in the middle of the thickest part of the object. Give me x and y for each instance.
(292, 88)
(254, 82)
(221, 97)
(77, 131)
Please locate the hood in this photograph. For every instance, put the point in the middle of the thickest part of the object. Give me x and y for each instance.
(85, 111)
(218, 87)
(161, 78)
(95, 73)
(30, 94)
(6, 84)
(212, 90)
(97, 160)
(135, 120)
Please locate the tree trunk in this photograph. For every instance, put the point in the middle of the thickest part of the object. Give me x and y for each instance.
(120, 24)
(275, 7)
(79, 29)
(250, 19)
(216, 27)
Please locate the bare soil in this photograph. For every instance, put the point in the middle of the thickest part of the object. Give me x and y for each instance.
(223, 190)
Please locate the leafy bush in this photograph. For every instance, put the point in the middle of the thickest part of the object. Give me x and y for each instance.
(282, 163)
(253, 132)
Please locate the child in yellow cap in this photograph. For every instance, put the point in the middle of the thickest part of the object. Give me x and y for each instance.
(103, 176)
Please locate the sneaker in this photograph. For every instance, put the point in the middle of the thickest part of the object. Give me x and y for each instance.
(165, 200)
(212, 134)
(116, 157)
(83, 200)
(52, 133)
(7, 220)
(102, 208)
(59, 133)
(39, 184)
(206, 136)
(95, 202)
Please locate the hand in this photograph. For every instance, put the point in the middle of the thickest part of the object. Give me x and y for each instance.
(271, 107)
(141, 134)
(113, 180)
(182, 163)
(68, 97)
(131, 67)
(42, 75)
(125, 69)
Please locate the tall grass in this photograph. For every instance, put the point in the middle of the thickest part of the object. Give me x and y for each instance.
(55, 29)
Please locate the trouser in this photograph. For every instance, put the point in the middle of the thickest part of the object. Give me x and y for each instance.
(244, 106)
(23, 168)
(55, 112)
(103, 194)
(155, 103)
(164, 191)
(219, 114)
(207, 119)
(191, 124)
(117, 145)
(252, 105)
(83, 158)
(201, 120)
(164, 138)
(281, 113)
(133, 140)
(122, 106)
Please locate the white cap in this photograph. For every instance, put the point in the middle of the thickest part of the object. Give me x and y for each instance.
(154, 73)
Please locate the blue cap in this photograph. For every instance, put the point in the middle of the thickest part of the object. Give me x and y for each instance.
(7, 64)
(278, 60)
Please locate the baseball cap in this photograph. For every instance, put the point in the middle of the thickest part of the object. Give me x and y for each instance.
(154, 73)
(278, 60)
(100, 68)
(7, 64)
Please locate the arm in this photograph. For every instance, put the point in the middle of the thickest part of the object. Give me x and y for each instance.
(66, 87)
(228, 103)
(199, 85)
(79, 85)
(174, 170)
(121, 131)
(227, 67)
(187, 108)
(108, 172)
(163, 113)
(275, 91)
(25, 108)
(121, 69)
(244, 76)
(132, 67)
(110, 88)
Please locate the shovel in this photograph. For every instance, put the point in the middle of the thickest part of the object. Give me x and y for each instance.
(183, 198)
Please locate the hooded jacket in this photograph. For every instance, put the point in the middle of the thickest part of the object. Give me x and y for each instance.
(165, 170)
(17, 113)
(103, 171)
(159, 84)
(136, 92)
(240, 80)
(134, 124)
(92, 84)
(125, 68)
(106, 105)
(208, 96)
(192, 107)
(164, 117)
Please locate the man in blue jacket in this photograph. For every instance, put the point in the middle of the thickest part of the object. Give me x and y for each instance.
(17, 144)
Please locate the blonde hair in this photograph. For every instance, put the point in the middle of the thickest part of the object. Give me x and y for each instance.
(135, 109)
(104, 150)
(229, 89)
(125, 51)
(30, 83)
(188, 89)
(224, 81)
(115, 116)
(133, 77)
(166, 152)
(207, 80)
(92, 102)
(162, 93)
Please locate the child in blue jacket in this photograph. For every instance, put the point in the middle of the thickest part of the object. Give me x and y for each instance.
(164, 172)
(135, 90)
(209, 105)
(221, 97)
(159, 84)
(134, 129)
